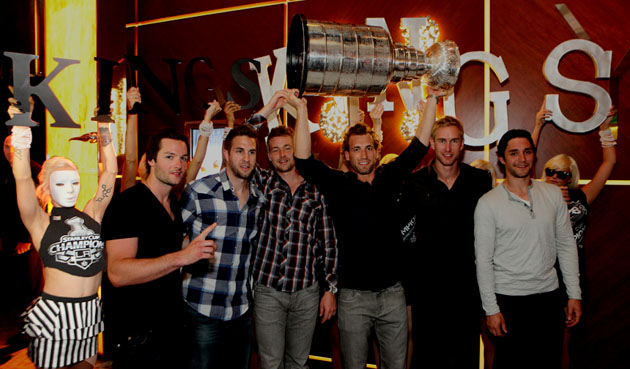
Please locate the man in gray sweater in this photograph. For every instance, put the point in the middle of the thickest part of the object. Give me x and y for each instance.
(521, 227)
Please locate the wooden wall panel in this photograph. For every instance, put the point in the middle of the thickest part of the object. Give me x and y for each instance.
(223, 38)
(150, 10)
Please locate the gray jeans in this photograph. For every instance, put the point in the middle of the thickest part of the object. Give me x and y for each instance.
(284, 325)
(386, 312)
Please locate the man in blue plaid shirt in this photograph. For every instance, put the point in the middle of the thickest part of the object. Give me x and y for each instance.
(296, 230)
(218, 293)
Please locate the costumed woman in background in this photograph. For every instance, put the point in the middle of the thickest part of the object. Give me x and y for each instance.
(64, 322)
(562, 170)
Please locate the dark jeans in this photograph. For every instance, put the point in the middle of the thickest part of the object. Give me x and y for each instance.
(219, 344)
(151, 349)
(535, 326)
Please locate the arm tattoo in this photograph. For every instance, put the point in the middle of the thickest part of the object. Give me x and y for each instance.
(106, 137)
(105, 193)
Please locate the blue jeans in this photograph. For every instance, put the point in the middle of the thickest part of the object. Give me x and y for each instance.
(386, 312)
(219, 344)
(284, 325)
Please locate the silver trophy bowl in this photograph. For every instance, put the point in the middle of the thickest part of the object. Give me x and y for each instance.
(332, 59)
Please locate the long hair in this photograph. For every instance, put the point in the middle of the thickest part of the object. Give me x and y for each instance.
(54, 163)
(562, 161)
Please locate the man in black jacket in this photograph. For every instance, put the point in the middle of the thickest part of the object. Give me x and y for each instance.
(439, 203)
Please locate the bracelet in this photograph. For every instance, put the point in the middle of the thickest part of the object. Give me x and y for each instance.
(206, 128)
(606, 138)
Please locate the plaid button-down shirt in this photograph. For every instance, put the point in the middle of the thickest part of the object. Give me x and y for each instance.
(296, 233)
(221, 288)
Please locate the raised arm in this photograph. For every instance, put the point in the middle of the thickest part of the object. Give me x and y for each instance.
(33, 216)
(541, 119)
(376, 115)
(230, 108)
(97, 205)
(130, 166)
(595, 186)
(205, 130)
(277, 101)
(302, 138)
(124, 269)
(423, 133)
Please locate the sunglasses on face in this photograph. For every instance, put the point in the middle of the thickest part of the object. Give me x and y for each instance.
(561, 173)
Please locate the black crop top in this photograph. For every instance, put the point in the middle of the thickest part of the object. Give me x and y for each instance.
(72, 243)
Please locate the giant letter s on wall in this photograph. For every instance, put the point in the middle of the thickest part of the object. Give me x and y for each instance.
(602, 60)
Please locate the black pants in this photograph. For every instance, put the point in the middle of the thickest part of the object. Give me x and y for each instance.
(161, 349)
(448, 339)
(535, 326)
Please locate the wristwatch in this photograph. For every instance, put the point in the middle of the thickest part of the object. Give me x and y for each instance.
(332, 289)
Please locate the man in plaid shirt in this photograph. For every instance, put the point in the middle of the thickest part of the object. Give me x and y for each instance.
(296, 230)
(218, 293)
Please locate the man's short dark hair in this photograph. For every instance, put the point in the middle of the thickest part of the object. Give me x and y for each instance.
(359, 129)
(279, 131)
(155, 143)
(511, 134)
(240, 130)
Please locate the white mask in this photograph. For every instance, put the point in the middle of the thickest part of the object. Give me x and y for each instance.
(65, 186)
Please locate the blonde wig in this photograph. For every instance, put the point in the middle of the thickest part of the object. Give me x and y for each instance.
(486, 165)
(563, 161)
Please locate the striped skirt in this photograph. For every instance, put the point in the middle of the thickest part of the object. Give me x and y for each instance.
(63, 331)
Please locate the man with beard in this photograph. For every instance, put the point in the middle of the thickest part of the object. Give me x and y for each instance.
(440, 201)
(143, 231)
(362, 203)
(218, 293)
(521, 228)
(295, 231)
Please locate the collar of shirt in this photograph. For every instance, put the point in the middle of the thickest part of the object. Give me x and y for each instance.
(278, 182)
(227, 185)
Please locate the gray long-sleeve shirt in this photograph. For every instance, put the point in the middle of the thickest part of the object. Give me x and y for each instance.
(516, 244)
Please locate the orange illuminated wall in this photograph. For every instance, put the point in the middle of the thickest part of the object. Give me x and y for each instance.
(70, 33)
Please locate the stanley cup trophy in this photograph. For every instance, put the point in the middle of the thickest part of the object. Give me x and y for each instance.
(325, 58)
